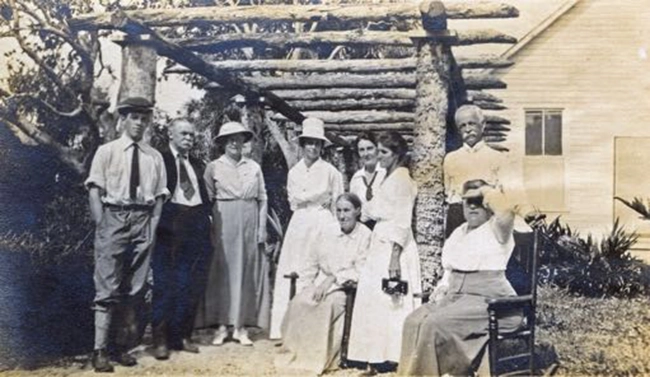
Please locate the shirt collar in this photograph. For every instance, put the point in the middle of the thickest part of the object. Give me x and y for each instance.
(352, 234)
(227, 160)
(126, 141)
(477, 147)
(175, 151)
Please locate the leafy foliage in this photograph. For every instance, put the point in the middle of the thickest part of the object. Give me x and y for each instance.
(591, 268)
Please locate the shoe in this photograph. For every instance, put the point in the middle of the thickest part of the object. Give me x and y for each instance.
(101, 363)
(188, 346)
(126, 359)
(242, 336)
(370, 371)
(161, 352)
(220, 336)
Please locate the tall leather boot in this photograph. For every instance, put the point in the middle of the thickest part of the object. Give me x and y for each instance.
(160, 348)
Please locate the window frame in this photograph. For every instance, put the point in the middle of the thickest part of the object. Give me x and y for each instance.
(544, 111)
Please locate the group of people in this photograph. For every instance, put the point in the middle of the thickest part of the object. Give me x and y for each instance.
(202, 231)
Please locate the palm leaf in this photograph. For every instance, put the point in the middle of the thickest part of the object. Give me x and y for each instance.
(636, 205)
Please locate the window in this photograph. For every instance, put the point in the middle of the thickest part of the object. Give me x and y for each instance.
(543, 132)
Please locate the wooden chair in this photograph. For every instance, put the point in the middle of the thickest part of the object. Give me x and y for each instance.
(350, 289)
(522, 273)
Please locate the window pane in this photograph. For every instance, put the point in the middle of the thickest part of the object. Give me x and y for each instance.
(533, 133)
(553, 133)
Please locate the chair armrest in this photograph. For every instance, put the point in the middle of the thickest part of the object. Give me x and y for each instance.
(293, 275)
(349, 286)
(509, 302)
(424, 296)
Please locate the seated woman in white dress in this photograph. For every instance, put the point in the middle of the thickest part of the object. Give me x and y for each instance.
(313, 325)
(449, 334)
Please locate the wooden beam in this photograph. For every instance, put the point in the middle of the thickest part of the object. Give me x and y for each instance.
(475, 95)
(369, 127)
(471, 37)
(344, 117)
(349, 66)
(385, 80)
(345, 93)
(360, 116)
(486, 105)
(224, 42)
(189, 59)
(352, 104)
(217, 15)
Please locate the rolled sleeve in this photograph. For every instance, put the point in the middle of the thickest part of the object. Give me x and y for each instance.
(160, 189)
(97, 175)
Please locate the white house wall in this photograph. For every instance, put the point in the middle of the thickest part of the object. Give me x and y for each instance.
(592, 63)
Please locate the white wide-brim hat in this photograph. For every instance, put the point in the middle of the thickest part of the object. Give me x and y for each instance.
(314, 128)
(232, 128)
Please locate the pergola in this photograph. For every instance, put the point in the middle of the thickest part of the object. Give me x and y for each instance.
(414, 93)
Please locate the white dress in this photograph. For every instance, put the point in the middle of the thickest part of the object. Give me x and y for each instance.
(376, 333)
(311, 191)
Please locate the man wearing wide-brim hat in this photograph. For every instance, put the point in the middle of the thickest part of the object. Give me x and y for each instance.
(312, 187)
(127, 186)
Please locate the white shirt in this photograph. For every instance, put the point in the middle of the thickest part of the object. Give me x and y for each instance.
(337, 254)
(178, 197)
(314, 186)
(358, 187)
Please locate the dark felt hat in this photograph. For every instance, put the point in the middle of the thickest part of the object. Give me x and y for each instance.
(134, 104)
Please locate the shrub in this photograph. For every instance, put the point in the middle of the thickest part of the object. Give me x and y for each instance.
(591, 268)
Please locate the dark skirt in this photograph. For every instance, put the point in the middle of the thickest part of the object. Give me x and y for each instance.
(450, 336)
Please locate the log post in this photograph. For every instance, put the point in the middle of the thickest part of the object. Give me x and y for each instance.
(138, 78)
(252, 117)
(431, 106)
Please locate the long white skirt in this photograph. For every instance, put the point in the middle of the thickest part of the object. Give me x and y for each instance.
(377, 320)
(303, 232)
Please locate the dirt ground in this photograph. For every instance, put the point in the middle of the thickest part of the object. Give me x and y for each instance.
(230, 359)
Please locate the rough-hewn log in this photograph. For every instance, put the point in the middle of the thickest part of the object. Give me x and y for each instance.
(202, 67)
(352, 104)
(485, 105)
(349, 66)
(477, 81)
(358, 116)
(491, 139)
(496, 127)
(387, 80)
(345, 93)
(291, 13)
(370, 127)
(384, 80)
(432, 103)
(475, 95)
(471, 37)
(223, 42)
(138, 78)
(494, 122)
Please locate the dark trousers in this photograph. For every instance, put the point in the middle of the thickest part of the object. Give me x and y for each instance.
(180, 262)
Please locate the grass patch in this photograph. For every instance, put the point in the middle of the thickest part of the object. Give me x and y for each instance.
(595, 336)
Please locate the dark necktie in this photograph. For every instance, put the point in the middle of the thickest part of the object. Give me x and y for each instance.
(186, 183)
(369, 186)
(135, 173)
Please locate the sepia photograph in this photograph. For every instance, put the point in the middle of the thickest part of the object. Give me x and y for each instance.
(324, 187)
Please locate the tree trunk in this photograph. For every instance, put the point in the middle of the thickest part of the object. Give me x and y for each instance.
(433, 80)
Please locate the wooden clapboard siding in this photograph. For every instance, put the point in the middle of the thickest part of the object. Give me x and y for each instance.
(588, 63)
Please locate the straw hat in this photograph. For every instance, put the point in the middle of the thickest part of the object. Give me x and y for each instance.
(313, 128)
(232, 128)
